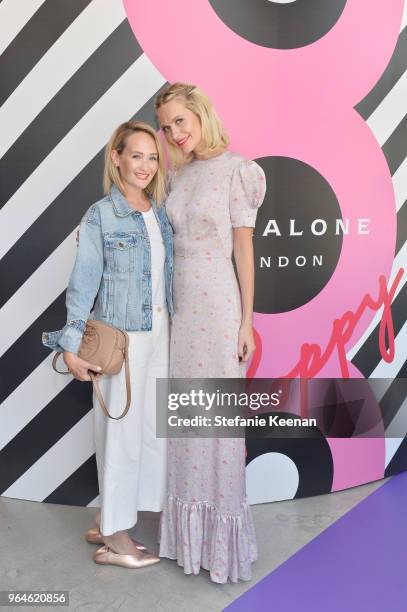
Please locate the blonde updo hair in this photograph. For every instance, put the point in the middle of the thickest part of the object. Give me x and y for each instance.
(111, 174)
(214, 134)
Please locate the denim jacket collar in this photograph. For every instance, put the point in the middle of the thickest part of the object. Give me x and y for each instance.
(121, 206)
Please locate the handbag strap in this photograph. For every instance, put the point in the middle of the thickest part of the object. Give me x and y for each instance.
(128, 389)
(96, 384)
(54, 364)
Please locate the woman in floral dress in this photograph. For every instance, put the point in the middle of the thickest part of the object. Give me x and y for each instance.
(212, 206)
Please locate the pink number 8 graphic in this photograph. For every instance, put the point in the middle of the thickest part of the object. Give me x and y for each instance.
(299, 103)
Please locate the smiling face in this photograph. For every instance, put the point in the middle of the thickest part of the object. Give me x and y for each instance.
(182, 128)
(137, 162)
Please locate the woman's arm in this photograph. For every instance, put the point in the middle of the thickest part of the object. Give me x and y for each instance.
(244, 258)
(80, 295)
(84, 281)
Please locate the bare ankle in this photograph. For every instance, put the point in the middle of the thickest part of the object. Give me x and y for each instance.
(121, 543)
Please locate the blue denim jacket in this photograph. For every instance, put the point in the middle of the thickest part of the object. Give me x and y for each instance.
(113, 265)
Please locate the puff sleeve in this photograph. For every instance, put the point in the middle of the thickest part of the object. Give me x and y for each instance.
(247, 191)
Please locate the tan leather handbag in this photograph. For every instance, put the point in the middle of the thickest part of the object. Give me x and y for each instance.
(107, 347)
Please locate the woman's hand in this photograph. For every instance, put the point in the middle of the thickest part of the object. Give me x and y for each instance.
(246, 345)
(79, 367)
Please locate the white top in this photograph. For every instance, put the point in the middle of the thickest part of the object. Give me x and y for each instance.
(157, 258)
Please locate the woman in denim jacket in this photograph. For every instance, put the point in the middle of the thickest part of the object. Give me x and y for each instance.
(124, 260)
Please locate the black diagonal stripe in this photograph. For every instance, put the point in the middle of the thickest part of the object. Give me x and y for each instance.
(27, 352)
(368, 356)
(80, 488)
(395, 147)
(402, 373)
(43, 431)
(392, 399)
(37, 243)
(401, 226)
(70, 104)
(390, 76)
(34, 40)
(65, 212)
(399, 461)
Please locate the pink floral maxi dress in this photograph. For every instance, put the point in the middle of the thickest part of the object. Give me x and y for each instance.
(206, 521)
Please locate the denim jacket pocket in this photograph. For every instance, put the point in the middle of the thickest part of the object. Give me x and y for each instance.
(120, 250)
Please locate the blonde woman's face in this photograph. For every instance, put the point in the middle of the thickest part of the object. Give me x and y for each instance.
(181, 126)
(138, 162)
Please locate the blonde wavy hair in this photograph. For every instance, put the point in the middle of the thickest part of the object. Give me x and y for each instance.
(214, 134)
(111, 174)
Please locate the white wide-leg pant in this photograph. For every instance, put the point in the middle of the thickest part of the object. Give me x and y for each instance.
(131, 461)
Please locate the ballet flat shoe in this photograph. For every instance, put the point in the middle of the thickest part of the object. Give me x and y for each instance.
(93, 536)
(105, 556)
